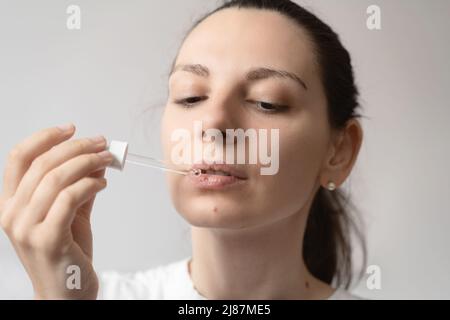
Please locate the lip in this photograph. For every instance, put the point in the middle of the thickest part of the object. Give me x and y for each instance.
(217, 182)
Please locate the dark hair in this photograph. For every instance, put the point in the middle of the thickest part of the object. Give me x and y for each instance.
(327, 248)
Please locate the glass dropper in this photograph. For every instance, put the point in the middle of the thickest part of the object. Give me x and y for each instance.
(156, 164)
(119, 150)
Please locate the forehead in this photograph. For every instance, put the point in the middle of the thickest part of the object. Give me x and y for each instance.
(232, 38)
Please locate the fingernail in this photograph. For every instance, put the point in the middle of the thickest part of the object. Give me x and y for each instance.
(66, 127)
(99, 140)
(106, 155)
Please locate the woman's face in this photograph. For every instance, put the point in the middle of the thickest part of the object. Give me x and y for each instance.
(230, 44)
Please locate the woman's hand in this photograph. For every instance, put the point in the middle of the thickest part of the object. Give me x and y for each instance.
(49, 187)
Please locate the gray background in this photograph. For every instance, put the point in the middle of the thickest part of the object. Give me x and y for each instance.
(105, 75)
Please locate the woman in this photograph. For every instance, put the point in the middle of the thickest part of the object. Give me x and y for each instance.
(248, 64)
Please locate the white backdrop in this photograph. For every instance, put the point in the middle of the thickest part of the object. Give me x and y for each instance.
(103, 76)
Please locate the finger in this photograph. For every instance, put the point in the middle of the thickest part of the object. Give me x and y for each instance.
(63, 210)
(52, 159)
(86, 209)
(98, 173)
(25, 152)
(59, 179)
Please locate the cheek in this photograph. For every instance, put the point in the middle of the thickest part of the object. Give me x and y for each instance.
(165, 131)
(301, 157)
(170, 122)
(301, 154)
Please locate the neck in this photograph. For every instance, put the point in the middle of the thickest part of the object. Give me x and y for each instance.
(262, 262)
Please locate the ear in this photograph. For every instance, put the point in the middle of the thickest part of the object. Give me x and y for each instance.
(344, 150)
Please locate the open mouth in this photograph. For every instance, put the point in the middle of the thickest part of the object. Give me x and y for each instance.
(224, 170)
(216, 173)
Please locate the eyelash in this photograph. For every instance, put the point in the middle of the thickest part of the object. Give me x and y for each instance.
(184, 102)
(277, 107)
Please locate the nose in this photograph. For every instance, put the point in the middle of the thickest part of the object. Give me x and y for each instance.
(220, 113)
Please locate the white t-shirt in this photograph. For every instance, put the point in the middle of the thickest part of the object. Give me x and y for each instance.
(168, 282)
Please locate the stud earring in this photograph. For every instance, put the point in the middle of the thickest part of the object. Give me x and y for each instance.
(331, 186)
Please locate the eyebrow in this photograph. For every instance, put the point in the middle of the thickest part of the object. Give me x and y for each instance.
(252, 75)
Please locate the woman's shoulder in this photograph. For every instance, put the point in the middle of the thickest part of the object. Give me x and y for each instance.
(169, 281)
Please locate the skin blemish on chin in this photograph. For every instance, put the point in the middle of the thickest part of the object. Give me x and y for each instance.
(215, 209)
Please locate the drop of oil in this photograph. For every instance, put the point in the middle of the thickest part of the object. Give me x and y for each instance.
(196, 172)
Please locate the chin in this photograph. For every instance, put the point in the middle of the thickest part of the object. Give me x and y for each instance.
(207, 213)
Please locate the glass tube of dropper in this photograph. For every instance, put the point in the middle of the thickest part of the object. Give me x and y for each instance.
(156, 163)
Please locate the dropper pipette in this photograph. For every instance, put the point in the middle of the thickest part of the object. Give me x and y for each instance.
(152, 163)
(120, 153)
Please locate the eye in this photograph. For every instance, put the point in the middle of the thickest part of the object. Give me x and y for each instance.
(268, 107)
(190, 101)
